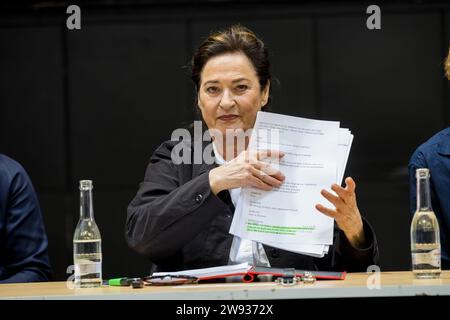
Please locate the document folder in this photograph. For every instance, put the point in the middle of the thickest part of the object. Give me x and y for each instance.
(249, 273)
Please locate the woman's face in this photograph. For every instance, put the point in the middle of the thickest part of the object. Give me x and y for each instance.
(230, 94)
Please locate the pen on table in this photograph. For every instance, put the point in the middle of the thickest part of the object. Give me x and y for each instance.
(126, 282)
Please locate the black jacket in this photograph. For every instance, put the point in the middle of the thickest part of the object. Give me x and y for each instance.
(178, 223)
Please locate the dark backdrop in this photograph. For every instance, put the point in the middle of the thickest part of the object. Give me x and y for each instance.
(95, 103)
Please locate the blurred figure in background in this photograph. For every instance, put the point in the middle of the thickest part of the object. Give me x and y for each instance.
(23, 242)
(435, 155)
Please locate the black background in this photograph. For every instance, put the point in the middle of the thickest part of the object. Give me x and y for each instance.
(95, 103)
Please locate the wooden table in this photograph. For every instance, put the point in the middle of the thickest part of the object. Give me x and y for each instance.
(393, 284)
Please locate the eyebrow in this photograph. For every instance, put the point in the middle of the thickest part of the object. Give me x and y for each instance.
(234, 81)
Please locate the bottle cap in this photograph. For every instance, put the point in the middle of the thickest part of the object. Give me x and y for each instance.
(422, 173)
(86, 185)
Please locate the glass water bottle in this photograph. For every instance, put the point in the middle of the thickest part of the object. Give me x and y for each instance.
(425, 242)
(87, 248)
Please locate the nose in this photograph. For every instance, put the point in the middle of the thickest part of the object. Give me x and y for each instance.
(227, 100)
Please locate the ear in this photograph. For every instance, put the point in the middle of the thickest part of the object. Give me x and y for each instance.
(265, 94)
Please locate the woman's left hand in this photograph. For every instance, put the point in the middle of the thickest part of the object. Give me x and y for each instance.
(346, 213)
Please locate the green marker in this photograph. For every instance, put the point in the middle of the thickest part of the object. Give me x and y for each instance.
(122, 282)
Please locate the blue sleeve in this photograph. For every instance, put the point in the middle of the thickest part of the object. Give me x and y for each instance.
(25, 257)
(417, 161)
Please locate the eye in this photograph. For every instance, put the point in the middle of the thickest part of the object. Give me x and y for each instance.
(212, 89)
(241, 88)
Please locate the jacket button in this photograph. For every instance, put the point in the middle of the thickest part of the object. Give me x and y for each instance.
(198, 198)
(275, 253)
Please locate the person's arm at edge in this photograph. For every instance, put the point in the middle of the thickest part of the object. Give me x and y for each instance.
(27, 258)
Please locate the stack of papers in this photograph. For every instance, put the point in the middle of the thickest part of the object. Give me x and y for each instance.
(316, 154)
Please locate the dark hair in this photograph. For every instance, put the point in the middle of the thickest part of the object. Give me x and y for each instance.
(236, 38)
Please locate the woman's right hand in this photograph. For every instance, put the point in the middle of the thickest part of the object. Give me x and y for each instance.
(247, 170)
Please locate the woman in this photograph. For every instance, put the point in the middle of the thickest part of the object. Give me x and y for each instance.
(182, 213)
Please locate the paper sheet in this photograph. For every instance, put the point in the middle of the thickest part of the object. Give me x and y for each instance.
(316, 154)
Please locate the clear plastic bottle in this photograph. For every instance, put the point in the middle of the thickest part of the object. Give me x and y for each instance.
(87, 243)
(425, 242)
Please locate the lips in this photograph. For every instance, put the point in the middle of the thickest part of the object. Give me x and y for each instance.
(228, 117)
